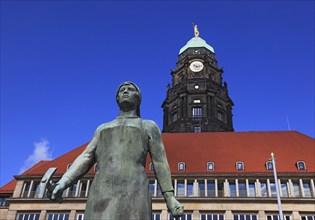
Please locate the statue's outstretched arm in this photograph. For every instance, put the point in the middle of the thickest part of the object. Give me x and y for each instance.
(162, 169)
(81, 165)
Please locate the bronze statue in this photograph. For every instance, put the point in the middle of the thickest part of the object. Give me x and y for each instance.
(120, 189)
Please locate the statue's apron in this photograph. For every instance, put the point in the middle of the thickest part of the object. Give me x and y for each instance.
(120, 189)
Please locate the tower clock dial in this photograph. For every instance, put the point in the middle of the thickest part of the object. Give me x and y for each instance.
(196, 66)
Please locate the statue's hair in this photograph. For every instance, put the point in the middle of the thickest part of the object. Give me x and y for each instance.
(138, 90)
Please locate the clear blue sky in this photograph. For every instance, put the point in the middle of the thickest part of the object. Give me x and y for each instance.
(61, 62)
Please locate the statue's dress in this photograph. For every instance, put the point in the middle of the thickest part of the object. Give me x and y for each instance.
(120, 189)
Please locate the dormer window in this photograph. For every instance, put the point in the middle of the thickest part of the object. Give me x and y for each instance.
(151, 167)
(210, 166)
(301, 165)
(181, 166)
(269, 165)
(239, 165)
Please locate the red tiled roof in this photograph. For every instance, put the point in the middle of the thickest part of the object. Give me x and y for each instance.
(222, 148)
(8, 188)
(252, 148)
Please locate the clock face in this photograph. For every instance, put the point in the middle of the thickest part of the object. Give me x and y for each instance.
(196, 66)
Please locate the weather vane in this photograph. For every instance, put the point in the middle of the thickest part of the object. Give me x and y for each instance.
(195, 30)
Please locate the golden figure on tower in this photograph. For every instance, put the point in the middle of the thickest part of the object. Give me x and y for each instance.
(195, 30)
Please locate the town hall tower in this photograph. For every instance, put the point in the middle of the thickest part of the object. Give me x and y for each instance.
(197, 100)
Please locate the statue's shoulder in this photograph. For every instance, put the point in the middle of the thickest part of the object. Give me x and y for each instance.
(103, 126)
(150, 124)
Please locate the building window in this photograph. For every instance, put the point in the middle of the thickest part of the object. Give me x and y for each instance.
(73, 190)
(29, 189)
(156, 216)
(296, 189)
(152, 187)
(273, 189)
(220, 116)
(201, 188)
(174, 117)
(284, 189)
(277, 217)
(210, 188)
(244, 217)
(197, 101)
(197, 112)
(180, 188)
(151, 167)
(269, 165)
(307, 217)
(300, 165)
(190, 188)
(80, 216)
(28, 216)
(3, 201)
(263, 189)
(239, 165)
(251, 189)
(184, 217)
(83, 188)
(242, 192)
(210, 166)
(232, 188)
(197, 129)
(58, 216)
(206, 216)
(307, 189)
(181, 166)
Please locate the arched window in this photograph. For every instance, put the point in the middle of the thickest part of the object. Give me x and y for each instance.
(239, 165)
(301, 165)
(151, 167)
(210, 166)
(181, 166)
(269, 165)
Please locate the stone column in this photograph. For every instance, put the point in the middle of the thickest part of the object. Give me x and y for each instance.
(312, 188)
(228, 215)
(18, 189)
(295, 215)
(11, 215)
(237, 192)
(196, 215)
(258, 188)
(301, 188)
(226, 189)
(42, 215)
(72, 214)
(216, 188)
(261, 215)
(164, 214)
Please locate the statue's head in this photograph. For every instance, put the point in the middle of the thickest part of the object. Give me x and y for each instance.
(129, 92)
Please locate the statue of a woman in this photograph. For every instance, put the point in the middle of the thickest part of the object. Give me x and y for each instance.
(120, 189)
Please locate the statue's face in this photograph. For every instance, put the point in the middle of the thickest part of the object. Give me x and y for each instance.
(128, 93)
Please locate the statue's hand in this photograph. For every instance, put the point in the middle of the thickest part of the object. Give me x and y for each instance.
(54, 192)
(173, 205)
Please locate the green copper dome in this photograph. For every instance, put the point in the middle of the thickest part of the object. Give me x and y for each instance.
(196, 42)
